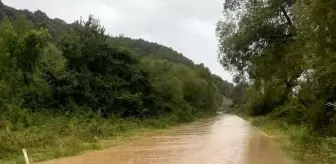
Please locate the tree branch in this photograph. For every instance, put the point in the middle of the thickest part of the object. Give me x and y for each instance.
(289, 21)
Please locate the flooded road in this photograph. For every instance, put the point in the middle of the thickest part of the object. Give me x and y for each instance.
(226, 139)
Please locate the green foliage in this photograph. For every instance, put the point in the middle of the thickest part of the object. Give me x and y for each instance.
(90, 71)
(63, 86)
(38, 19)
(103, 78)
(142, 48)
(225, 87)
(20, 53)
(238, 93)
(184, 88)
(286, 50)
(297, 141)
(47, 136)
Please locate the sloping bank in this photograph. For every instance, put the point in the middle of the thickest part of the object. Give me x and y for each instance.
(297, 142)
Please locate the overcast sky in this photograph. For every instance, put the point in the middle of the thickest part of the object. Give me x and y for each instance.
(188, 26)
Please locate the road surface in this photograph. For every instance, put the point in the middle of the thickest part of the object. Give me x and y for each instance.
(226, 139)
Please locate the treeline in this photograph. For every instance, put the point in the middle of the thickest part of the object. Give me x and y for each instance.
(142, 48)
(77, 68)
(285, 51)
(62, 85)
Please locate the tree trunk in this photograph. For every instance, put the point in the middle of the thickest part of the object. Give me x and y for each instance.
(25, 78)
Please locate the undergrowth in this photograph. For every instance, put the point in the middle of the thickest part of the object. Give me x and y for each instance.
(298, 142)
(49, 136)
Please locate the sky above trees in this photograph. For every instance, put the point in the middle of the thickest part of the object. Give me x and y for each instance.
(186, 26)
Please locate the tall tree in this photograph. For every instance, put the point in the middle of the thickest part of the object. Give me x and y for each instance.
(257, 42)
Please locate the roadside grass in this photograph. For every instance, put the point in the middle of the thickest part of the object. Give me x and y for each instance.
(47, 136)
(297, 142)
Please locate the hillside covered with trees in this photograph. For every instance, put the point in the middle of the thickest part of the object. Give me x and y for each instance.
(63, 85)
(285, 51)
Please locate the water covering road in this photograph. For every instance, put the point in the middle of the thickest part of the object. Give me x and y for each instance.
(226, 139)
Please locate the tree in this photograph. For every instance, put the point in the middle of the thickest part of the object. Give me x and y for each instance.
(317, 30)
(104, 78)
(257, 42)
(285, 49)
(20, 53)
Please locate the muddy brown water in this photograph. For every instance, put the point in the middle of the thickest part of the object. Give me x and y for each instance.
(226, 139)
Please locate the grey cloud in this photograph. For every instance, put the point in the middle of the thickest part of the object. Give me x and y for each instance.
(188, 26)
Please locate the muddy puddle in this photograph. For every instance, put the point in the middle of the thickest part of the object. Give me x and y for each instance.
(226, 139)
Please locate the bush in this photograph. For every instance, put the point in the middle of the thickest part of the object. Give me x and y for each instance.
(292, 112)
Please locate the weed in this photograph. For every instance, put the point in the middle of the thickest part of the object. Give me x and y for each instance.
(57, 136)
(298, 142)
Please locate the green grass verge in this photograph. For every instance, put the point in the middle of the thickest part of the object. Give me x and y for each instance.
(47, 137)
(297, 142)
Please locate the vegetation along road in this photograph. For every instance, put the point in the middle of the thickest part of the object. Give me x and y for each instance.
(66, 87)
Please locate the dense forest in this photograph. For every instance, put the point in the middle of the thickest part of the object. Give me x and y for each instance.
(63, 85)
(284, 51)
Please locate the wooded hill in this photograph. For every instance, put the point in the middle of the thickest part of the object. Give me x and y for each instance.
(73, 80)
